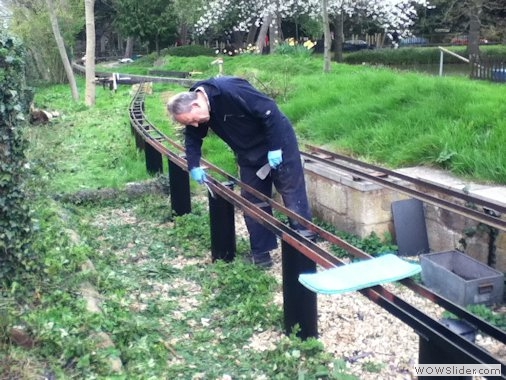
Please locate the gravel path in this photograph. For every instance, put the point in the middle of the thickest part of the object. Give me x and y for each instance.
(354, 328)
(375, 344)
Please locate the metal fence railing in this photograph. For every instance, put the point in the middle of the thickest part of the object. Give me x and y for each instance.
(482, 68)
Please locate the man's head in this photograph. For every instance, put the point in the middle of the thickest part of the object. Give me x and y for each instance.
(189, 108)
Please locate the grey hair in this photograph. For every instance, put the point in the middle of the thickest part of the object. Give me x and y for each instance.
(181, 103)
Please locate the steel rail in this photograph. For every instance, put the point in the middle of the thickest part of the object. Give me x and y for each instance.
(140, 123)
(135, 79)
(419, 182)
(323, 258)
(483, 217)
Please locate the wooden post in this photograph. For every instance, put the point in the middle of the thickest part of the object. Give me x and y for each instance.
(179, 183)
(222, 223)
(299, 302)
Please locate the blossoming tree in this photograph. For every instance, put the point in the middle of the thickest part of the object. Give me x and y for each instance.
(392, 15)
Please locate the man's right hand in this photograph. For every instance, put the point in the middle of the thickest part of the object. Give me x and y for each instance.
(198, 174)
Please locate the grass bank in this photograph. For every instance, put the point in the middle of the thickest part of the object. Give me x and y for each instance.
(389, 117)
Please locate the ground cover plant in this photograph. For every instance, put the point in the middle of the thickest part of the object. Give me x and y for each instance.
(167, 312)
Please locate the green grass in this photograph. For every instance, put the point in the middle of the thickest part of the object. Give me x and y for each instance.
(84, 148)
(389, 117)
(398, 119)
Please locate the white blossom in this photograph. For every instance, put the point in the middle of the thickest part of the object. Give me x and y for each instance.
(391, 15)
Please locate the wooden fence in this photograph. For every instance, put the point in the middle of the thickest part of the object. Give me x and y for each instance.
(376, 40)
(489, 69)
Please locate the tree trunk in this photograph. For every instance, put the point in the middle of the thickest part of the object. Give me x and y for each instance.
(275, 34)
(238, 39)
(61, 48)
(89, 10)
(103, 45)
(250, 40)
(263, 33)
(129, 50)
(327, 40)
(339, 37)
(296, 23)
(475, 11)
(183, 34)
(119, 43)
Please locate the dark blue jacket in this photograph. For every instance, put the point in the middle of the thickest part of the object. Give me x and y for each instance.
(247, 120)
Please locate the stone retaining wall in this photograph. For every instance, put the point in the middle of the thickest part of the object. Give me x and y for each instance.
(361, 207)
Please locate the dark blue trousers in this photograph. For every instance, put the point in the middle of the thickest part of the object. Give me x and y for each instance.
(288, 179)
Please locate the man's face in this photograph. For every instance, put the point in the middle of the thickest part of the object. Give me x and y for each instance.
(198, 114)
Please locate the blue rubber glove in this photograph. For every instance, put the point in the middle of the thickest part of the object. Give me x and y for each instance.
(198, 174)
(275, 158)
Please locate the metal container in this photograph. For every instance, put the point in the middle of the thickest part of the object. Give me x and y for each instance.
(462, 279)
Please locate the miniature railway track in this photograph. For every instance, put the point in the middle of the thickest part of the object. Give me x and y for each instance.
(424, 325)
(106, 78)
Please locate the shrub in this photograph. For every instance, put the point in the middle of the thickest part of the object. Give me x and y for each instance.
(417, 55)
(189, 51)
(15, 221)
(296, 50)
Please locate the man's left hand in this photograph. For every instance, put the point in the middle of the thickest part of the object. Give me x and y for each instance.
(275, 158)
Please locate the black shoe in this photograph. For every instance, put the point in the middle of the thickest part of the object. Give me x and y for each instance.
(262, 260)
(308, 234)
